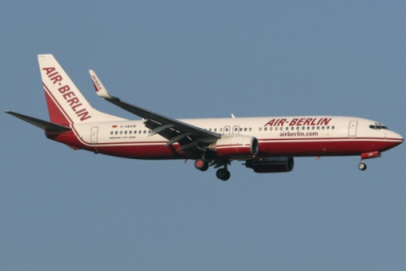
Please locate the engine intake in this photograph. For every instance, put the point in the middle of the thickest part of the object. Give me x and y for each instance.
(271, 164)
(235, 146)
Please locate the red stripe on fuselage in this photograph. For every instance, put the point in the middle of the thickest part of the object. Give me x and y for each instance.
(325, 147)
(158, 150)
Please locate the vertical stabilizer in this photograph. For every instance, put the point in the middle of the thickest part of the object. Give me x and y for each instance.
(66, 103)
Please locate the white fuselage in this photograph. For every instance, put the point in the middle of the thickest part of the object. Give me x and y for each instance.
(277, 136)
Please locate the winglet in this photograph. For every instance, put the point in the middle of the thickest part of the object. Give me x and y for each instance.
(98, 85)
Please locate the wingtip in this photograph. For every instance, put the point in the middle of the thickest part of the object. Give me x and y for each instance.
(98, 86)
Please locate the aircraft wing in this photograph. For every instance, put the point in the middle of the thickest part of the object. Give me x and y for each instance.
(45, 125)
(174, 130)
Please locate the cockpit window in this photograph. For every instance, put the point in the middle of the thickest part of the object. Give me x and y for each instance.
(378, 126)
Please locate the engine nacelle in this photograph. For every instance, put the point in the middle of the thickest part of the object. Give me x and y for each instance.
(271, 164)
(235, 146)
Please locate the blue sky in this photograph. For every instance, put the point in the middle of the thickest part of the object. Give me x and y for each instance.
(74, 210)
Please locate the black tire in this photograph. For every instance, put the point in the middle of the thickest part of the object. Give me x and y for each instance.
(227, 176)
(223, 174)
(362, 166)
(201, 164)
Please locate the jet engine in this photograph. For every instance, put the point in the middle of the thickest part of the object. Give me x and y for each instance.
(235, 146)
(271, 164)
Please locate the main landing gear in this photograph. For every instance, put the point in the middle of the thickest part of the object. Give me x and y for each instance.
(222, 173)
(201, 164)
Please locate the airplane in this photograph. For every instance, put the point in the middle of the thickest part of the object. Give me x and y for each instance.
(264, 144)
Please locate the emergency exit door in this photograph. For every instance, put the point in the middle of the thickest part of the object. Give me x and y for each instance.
(352, 128)
(93, 134)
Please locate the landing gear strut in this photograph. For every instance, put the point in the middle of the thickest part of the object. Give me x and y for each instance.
(223, 174)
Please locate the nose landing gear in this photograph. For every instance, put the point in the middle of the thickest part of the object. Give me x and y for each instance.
(362, 166)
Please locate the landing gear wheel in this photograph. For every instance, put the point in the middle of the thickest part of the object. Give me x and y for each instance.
(362, 166)
(201, 164)
(223, 174)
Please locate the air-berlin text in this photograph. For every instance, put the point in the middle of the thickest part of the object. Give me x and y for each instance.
(67, 94)
(299, 122)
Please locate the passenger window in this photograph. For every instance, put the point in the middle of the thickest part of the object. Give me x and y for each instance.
(260, 129)
(328, 127)
(270, 129)
(215, 129)
(116, 132)
(125, 132)
(111, 132)
(332, 127)
(266, 129)
(145, 131)
(221, 129)
(130, 132)
(121, 132)
(250, 129)
(312, 127)
(322, 127)
(287, 128)
(245, 129)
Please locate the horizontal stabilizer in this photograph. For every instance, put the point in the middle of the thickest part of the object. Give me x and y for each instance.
(45, 125)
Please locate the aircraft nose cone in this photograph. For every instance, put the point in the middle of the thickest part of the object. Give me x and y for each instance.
(397, 137)
(400, 137)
